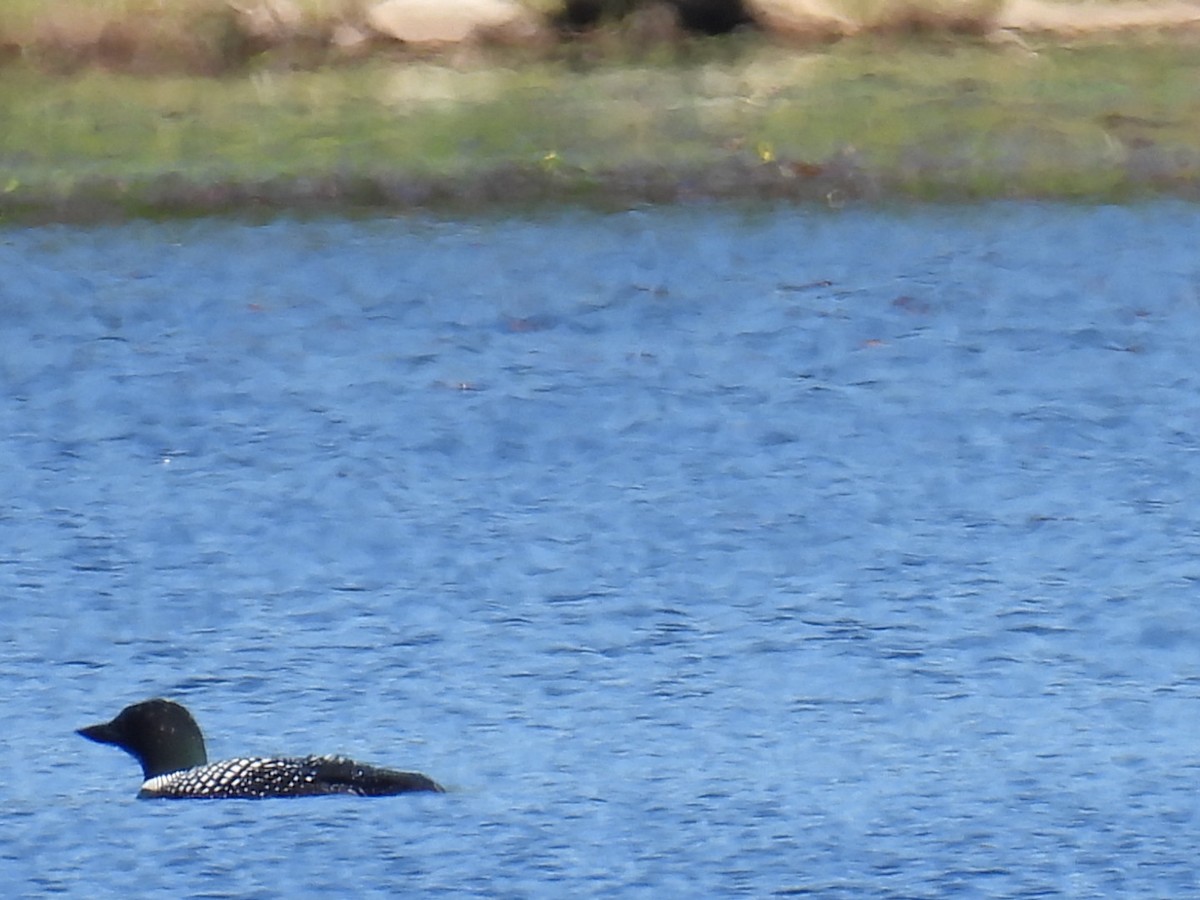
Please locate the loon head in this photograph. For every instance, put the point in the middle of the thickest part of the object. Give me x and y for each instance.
(159, 734)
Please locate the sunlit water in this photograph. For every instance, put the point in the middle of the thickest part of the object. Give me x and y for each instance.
(698, 552)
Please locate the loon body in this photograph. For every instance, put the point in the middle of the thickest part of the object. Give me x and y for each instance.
(166, 740)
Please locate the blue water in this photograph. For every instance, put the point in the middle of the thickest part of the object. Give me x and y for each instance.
(698, 551)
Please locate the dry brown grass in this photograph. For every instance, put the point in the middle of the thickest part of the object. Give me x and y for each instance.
(925, 16)
(217, 36)
(207, 36)
(127, 34)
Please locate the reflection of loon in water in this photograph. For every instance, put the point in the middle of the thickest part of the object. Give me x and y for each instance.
(166, 740)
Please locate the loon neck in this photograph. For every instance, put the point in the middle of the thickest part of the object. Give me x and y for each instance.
(162, 760)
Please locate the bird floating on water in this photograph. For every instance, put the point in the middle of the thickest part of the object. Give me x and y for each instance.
(164, 738)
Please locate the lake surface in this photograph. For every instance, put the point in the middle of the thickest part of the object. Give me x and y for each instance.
(697, 551)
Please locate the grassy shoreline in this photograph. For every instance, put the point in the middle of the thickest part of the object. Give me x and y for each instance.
(863, 120)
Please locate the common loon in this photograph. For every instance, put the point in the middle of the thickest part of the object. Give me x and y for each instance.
(165, 739)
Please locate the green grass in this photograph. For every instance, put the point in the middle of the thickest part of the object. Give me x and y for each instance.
(923, 118)
(1003, 121)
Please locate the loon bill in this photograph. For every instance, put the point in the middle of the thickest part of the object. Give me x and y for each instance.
(164, 738)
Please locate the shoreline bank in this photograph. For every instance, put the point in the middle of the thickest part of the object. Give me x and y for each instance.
(835, 184)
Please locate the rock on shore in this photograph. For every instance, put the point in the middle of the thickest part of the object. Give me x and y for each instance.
(437, 22)
(801, 18)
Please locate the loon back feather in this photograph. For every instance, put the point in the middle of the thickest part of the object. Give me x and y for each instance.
(351, 777)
